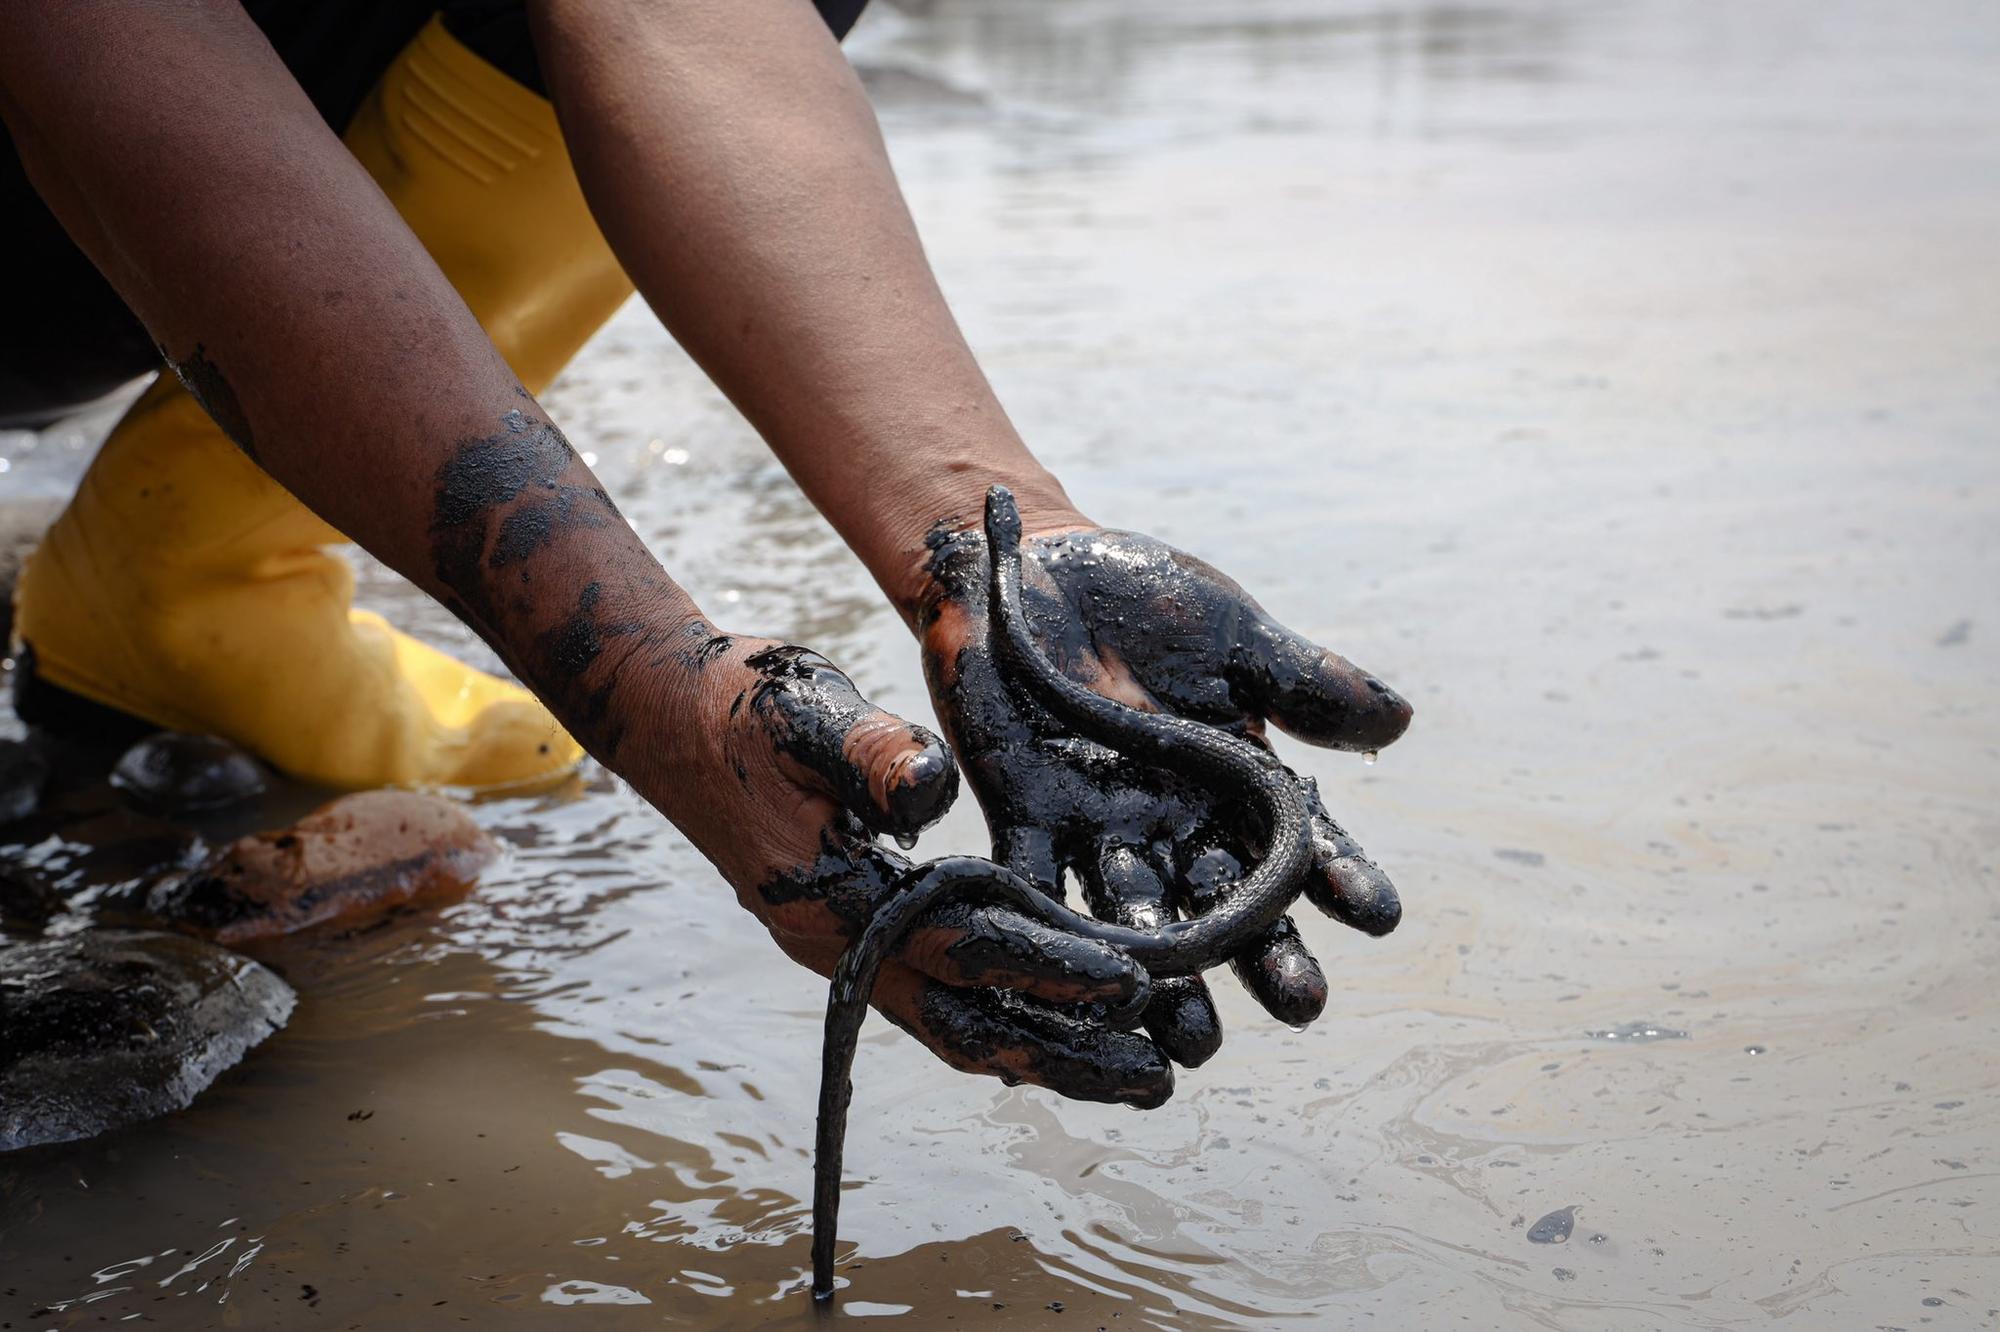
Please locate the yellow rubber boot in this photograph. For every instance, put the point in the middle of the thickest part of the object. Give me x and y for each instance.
(184, 586)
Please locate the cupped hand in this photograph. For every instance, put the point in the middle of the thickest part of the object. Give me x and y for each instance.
(1155, 628)
(776, 767)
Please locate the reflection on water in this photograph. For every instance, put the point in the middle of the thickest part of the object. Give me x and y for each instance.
(1617, 380)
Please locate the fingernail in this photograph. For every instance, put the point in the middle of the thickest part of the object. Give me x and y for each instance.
(921, 786)
(1373, 909)
(1291, 986)
(1182, 1024)
(1386, 913)
(928, 765)
(1395, 707)
(1151, 1095)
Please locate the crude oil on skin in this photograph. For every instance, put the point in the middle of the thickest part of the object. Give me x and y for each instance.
(502, 504)
(812, 711)
(501, 509)
(517, 470)
(1079, 1046)
(1184, 639)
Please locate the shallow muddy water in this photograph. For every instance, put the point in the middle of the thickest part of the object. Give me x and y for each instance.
(1620, 381)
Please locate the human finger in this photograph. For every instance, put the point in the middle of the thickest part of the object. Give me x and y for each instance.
(1345, 883)
(1030, 853)
(1276, 967)
(966, 945)
(1004, 1034)
(1316, 695)
(1121, 887)
(895, 776)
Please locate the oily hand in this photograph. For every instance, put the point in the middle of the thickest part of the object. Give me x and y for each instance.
(795, 775)
(1160, 630)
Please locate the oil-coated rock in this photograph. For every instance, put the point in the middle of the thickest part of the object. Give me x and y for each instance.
(174, 773)
(111, 1027)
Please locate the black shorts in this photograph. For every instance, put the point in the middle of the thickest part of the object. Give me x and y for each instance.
(67, 338)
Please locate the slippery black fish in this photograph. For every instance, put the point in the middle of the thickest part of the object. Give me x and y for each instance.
(1203, 752)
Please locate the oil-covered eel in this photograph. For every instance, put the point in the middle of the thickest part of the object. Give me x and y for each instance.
(1183, 947)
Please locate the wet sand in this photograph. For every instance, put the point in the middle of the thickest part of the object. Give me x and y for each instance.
(1620, 382)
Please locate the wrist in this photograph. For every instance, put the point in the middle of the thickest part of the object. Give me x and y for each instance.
(950, 500)
(670, 715)
(620, 669)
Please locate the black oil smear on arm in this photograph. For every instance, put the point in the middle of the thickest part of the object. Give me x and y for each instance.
(484, 474)
(533, 525)
(567, 654)
(501, 502)
(204, 380)
(573, 647)
(482, 478)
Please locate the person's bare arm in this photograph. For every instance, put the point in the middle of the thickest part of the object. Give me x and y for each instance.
(181, 155)
(736, 167)
(732, 158)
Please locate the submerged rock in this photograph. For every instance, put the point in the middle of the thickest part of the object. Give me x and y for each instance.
(173, 773)
(358, 857)
(24, 776)
(112, 1027)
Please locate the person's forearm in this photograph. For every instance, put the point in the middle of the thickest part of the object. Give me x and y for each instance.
(735, 165)
(318, 332)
